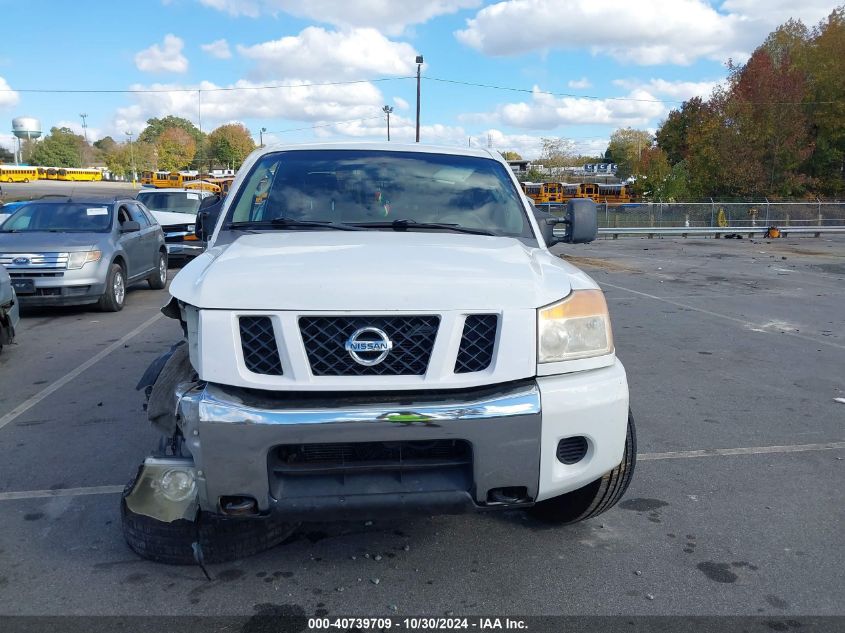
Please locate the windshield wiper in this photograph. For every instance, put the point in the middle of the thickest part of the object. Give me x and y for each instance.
(404, 225)
(290, 223)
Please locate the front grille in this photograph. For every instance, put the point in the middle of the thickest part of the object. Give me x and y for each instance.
(572, 449)
(35, 260)
(258, 342)
(477, 343)
(30, 275)
(412, 337)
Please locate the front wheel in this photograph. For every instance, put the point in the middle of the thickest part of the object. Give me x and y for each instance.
(158, 279)
(115, 294)
(597, 496)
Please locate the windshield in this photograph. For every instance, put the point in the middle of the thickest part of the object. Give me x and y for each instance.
(370, 187)
(61, 217)
(172, 201)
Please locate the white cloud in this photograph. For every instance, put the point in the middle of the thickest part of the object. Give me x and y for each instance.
(580, 84)
(401, 103)
(638, 31)
(546, 112)
(389, 17)
(165, 57)
(7, 141)
(8, 97)
(94, 133)
(219, 49)
(772, 13)
(670, 90)
(303, 102)
(320, 54)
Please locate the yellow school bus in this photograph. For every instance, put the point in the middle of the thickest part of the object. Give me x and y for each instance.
(52, 173)
(15, 173)
(74, 174)
(42, 173)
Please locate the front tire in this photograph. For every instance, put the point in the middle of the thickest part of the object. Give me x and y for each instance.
(597, 496)
(158, 279)
(115, 295)
(222, 539)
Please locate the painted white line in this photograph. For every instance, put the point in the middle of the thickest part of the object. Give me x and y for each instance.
(62, 492)
(643, 457)
(758, 327)
(26, 405)
(752, 450)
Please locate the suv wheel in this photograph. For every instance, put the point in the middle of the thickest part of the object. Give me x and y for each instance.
(222, 539)
(158, 279)
(115, 294)
(595, 497)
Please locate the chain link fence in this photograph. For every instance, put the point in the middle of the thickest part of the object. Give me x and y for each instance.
(721, 214)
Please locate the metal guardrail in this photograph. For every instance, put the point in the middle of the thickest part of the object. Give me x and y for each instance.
(717, 232)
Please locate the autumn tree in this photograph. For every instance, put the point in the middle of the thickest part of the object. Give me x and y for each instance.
(556, 151)
(119, 158)
(176, 149)
(626, 148)
(156, 127)
(230, 144)
(511, 155)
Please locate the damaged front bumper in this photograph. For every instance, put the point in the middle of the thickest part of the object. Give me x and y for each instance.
(351, 455)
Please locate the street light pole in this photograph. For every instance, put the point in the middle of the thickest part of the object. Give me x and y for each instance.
(132, 158)
(261, 135)
(387, 110)
(419, 63)
(84, 126)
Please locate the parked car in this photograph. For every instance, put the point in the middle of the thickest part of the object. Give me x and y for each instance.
(176, 210)
(374, 329)
(82, 251)
(9, 309)
(7, 209)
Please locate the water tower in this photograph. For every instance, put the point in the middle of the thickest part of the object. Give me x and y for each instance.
(25, 127)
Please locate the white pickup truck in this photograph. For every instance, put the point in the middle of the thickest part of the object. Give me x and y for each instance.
(378, 328)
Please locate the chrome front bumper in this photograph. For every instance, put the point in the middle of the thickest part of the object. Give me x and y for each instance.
(233, 435)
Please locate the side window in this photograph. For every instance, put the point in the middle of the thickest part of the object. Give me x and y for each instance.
(139, 216)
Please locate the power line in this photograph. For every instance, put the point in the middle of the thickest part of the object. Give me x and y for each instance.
(198, 89)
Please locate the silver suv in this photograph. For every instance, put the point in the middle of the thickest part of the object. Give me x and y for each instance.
(81, 251)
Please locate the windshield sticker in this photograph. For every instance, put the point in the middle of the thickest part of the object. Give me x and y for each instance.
(193, 196)
(97, 211)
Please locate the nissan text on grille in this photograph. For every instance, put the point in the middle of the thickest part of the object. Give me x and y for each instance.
(378, 329)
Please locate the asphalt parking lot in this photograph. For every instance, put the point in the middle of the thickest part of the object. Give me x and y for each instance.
(735, 352)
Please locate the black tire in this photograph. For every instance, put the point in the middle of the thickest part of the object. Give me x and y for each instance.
(597, 496)
(158, 279)
(223, 539)
(113, 300)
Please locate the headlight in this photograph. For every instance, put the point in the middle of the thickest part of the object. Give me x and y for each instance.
(576, 327)
(78, 260)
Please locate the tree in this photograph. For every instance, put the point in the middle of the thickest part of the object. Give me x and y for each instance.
(626, 148)
(119, 158)
(155, 128)
(673, 133)
(6, 156)
(60, 148)
(176, 149)
(511, 155)
(230, 144)
(556, 151)
(105, 144)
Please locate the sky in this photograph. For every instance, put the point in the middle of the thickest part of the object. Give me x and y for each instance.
(311, 70)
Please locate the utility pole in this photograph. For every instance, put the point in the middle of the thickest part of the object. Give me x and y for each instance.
(84, 126)
(261, 135)
(132, 158)
(419, 66)
(387, 110)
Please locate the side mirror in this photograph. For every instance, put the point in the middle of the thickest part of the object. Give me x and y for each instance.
(130, 226)
(207, 219)
(581, 220)
(209, 201)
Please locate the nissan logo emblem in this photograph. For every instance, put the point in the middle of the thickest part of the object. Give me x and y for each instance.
(368, 346)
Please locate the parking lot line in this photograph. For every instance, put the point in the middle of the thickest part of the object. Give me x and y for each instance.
(751, 450)
(743, 322)
(26, 405)
(710, 452)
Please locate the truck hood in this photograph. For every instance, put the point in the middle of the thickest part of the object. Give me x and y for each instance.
(168, 218)
(45, 242)
(375, 270)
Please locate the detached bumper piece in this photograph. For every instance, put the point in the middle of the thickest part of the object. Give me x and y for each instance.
(311, 458)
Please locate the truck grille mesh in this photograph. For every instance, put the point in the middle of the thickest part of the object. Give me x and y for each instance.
(477, 343)
(258, 341)
(412, 337)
